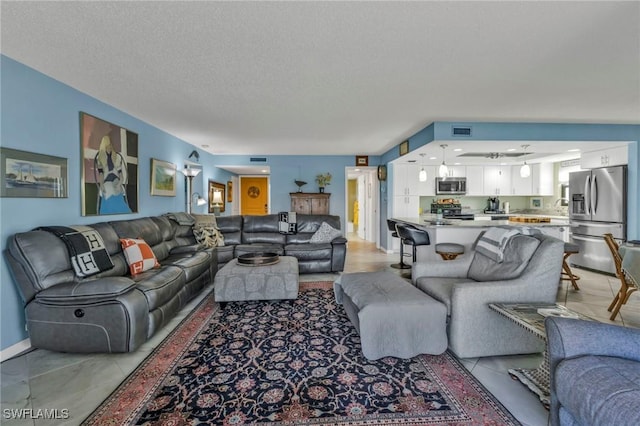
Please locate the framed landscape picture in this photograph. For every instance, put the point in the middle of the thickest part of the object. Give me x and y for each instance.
(109, 167)
(30, 175)
(163, 178)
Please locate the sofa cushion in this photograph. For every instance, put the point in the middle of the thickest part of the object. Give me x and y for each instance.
(325, 234)
(440, 288)
(139, 255)
(309, 251)
(517, 253)
(194, 264)
(231, 228)
(262, 230)
(613, 389)
(160, 285)
(259, 248)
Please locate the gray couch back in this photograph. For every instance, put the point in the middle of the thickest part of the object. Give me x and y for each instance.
(261, 230)
(308, 224)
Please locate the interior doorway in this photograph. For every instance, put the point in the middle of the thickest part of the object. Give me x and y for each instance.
(362, 203)
(254, 195)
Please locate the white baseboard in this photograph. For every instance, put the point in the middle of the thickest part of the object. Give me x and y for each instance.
(14, 350)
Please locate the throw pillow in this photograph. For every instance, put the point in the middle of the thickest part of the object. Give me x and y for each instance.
(208, 235)
(325, 234)
(139, 255)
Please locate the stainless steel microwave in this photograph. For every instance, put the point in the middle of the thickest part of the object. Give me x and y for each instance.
(451, 186)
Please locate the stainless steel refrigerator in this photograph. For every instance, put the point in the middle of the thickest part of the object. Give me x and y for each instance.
(597, 206)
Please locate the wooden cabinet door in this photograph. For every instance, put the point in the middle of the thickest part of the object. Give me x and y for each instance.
(320, 205)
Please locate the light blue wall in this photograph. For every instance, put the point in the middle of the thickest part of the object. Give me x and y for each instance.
(42, 115)
(442, 131)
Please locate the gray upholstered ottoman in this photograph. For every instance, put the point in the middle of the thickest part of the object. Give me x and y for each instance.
(235, 282)
(393, 317)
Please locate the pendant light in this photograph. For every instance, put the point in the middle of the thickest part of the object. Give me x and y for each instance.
(525, 170)
(422, 176)
(443, 171)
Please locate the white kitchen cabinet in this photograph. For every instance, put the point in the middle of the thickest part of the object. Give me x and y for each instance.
(406, 181)
(542, 179)
(561, 232)
(456, 171)
(406, 206)
(521, 185)
(475, 180)
(604, 157)
(497, 180)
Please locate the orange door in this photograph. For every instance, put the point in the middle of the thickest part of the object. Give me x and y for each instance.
(254, 196)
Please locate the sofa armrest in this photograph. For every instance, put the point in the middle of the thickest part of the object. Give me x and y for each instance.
(571, 338)
(339, 240)
(86, 291)
(456, 268)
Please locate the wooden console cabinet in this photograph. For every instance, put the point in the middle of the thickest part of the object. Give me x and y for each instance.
(310, 202)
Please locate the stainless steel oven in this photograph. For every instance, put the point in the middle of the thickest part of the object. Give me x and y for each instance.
(451, 186)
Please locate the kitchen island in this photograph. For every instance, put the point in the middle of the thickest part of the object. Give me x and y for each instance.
(466, 232)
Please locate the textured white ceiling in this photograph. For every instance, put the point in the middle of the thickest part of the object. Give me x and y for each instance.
(335, 77)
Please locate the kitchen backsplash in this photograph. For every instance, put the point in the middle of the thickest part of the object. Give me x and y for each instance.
(516, 205)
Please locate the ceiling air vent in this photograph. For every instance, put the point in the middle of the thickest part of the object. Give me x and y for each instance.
(460, 131)
(258, 159)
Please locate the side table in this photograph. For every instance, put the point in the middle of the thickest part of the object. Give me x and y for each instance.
(526, 315)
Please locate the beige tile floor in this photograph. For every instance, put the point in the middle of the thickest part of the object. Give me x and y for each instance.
(79, 383)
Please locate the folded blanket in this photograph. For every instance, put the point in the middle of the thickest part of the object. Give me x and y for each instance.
(287, 223)
(86, 248)
(181, 218)
(631, 264)
(494, 241)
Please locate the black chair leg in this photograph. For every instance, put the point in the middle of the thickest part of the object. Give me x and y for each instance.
(401, 265)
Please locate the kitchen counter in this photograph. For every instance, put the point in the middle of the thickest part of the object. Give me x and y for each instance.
(466, 232)
(428, 221)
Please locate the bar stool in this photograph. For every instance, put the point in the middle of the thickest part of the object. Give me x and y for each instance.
(391, 224)
(449, 251)
(567, 273)
(413, 236)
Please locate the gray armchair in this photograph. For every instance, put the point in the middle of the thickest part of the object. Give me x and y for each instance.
(594, 373)
(530, 272)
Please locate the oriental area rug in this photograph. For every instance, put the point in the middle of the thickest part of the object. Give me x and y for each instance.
(295, 362)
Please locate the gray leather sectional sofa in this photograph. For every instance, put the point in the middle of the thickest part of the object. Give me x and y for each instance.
(250, 234)
(111, 311)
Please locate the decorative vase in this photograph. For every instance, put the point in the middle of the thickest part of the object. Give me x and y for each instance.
(321, 189)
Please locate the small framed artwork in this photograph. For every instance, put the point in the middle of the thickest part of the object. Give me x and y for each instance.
(216, 197)
(404, 148)
(536, 203)
(163, 178)
(362, 160)
(30, 175)
(229, 191)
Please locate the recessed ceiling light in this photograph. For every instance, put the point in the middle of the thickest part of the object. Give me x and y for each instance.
(458, 149)
(356, 170)
(456, 164)
(264, 171)
(503, 164)
(511, 149)
(573, 150)
(432, 158)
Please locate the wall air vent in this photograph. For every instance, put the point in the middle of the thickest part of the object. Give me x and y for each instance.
(258, 159)
(460, 131)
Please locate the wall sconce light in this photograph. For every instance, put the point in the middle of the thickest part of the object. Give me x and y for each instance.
(199, 200)
(525, 170)
(216, 201)
(443, 171)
